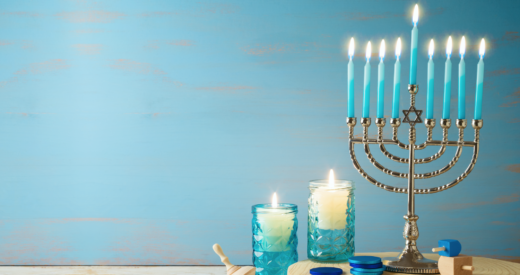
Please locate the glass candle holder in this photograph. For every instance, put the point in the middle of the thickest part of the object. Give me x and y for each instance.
(330, 236)
(274, 238)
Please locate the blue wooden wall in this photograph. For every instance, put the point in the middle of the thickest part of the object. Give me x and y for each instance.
(141, 132)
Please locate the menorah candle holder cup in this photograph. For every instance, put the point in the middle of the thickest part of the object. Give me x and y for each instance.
(331, 221)
(274, 237)
(411, 260)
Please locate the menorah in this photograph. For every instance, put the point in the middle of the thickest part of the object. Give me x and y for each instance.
(411, 260)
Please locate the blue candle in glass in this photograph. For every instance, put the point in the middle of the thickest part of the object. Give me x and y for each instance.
(397, 80)
(447, 82)
(366, 91)
(381, 82)
(413, 53)
(480, 81)
(431, 72)
(462, 81)
(351, 110)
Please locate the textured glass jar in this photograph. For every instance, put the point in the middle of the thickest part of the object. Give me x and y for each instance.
(274, 238)
(330, 236)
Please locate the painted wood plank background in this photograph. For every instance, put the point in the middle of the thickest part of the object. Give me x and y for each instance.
(141, 132)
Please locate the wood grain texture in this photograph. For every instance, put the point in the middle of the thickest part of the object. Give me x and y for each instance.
(483, 266)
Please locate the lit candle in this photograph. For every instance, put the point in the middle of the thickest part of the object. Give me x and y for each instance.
(331, 202)
(429, 94)
(462, 81)
(480, 81)
(331, 220)
(413, 53)
(381, 82)
(277, 224)
(397, 80)
(351, 109)
(366, 91)
(447, 82)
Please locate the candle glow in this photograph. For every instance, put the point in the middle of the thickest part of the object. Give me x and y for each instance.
(351, 48)
(398, 48)
(382, 50)
(431, 49)
(462, 47)
(274, 201)
(415, 17)
(482, 49)
(368, 51)
(331, 178)
(449, 47)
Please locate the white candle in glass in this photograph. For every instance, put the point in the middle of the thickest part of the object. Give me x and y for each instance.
(277, 224)
(332, 204)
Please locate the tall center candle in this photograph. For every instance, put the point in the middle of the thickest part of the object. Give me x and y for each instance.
(351, 110)
(366, 90)
(397, 80)
(462, 81)
(447, 82)
(381, 82)
(413, 52)
(429, 93)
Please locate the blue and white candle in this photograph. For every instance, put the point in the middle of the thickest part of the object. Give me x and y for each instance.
(447, 82)
(462, 81)
(351, 110)
(366, 90)
(381, 82)
(480, 81)
(397, 80)
(430, 87)
(413, 52)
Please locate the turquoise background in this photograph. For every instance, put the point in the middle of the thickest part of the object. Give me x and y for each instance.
(141, 132)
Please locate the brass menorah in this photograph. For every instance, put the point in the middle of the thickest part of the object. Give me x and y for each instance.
(411, 260)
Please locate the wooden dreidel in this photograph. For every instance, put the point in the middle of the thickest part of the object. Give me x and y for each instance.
(458, 265)
(448, 248)
(233, 269)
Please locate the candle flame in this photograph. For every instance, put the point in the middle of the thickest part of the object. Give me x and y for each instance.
(351, 48)
(382, 50)
(462, 47)
(331, 178)
(369, 51)
(398, 48)
(482, 48)
(448, 47)
(415, 14)
(274, 201)
(430, 50)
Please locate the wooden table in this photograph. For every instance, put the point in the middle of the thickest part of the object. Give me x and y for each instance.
(483, 266)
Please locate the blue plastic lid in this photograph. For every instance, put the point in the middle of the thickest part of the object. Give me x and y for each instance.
(326, 271)
(364, 270)
(353, 272)
(366, 265)
(364, 260)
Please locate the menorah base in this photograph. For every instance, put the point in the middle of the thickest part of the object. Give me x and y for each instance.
(411, 261)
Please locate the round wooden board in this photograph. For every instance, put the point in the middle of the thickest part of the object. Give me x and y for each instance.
(483, 266)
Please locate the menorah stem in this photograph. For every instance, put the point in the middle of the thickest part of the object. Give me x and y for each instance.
(411, 173)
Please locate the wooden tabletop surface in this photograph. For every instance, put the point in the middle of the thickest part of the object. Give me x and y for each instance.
(483, 266)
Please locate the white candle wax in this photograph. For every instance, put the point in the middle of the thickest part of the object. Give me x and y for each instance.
(277, 226)
(332, 205)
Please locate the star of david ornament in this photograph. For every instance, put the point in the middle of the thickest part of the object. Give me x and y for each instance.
(417, 116)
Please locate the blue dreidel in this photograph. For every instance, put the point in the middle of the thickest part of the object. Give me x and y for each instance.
(448, 248)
